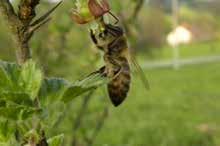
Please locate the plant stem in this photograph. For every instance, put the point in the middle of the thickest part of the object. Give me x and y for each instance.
(20, 25)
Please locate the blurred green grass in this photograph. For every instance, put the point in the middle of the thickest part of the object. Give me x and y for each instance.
(178, 102)
(199, 49)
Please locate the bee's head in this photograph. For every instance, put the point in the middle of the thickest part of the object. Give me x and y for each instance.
(102, 38)
(106, 35)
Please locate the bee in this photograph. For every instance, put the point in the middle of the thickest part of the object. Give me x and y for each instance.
(113, 42)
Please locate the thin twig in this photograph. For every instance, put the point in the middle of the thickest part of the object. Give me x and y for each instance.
(80, 116)
(35, 28)
(137, 9)
(100, 124)
(45, 16)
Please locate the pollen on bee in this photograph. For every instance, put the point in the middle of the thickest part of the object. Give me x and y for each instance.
(102, 29)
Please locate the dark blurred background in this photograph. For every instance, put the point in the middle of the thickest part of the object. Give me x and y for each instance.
(178, 45)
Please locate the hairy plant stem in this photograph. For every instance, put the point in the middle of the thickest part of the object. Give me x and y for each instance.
(23, 51)
(20, 27)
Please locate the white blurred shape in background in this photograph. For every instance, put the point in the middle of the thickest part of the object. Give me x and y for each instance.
(180, 35)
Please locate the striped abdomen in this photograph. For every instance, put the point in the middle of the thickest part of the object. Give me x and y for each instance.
(118, 88)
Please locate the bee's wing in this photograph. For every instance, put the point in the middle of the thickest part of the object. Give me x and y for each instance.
(137, 69)
(94, 79)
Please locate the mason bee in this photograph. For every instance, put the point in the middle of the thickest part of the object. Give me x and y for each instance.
(113, 42)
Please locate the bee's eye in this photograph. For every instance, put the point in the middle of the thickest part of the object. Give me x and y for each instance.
(100, 35)
(105, 31)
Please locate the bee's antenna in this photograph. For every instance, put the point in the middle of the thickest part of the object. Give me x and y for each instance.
(116, 18)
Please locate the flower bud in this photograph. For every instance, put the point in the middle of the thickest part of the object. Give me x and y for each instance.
(82, 17)
(98, 7)
(87, 12)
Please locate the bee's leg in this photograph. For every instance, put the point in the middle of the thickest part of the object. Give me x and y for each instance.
(95, 41)
(117, 68)
(116, 18)
(100, 71)
(118, 72)
(93, 37)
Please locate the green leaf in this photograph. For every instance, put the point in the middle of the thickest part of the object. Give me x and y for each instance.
(12, 70)
(28, 112)
(18, 98)
(51, 118)
(4, 81)
(74, 91)
(52, 89)
(9, 74)
(89, 83)
(56, 140)
(26, 78)
(10, 112)
(6, 130)
(2, 103)
(20, 84)
(17, 112)
(55, 89)
(30, 79)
